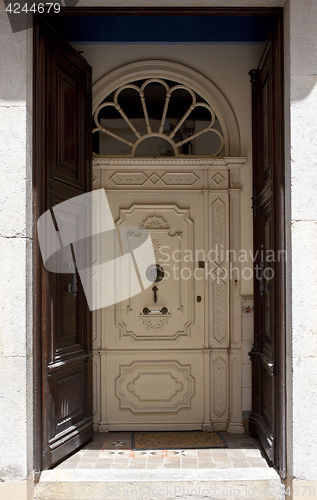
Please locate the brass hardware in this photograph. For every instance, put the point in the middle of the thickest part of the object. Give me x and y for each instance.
(146, 311)
(201, 264)
(155, 289)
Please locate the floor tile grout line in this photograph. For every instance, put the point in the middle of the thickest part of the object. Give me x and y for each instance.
(241, 451)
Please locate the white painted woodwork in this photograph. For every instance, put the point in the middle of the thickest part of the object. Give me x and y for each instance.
(170, 70)
(181, 370)
(156, 128)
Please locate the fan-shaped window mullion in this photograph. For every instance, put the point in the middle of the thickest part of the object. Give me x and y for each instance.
(105, 130)
(204, 130)
(154, 134)
(122, 113)
(186, 128)
(143, 100)
(189, 110)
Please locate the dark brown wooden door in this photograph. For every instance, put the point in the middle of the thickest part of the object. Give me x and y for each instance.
(268, 352)
(62, 157)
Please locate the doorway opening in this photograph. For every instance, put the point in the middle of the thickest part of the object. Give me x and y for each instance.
(195, 201)
(163, 360)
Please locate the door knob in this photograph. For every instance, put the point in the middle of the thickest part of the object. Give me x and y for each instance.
(199, 298)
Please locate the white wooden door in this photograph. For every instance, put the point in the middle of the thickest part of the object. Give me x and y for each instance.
(174, 363)
(154, 363)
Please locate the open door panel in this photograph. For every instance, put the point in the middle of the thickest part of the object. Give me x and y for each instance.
(62, 157)
(268, 419)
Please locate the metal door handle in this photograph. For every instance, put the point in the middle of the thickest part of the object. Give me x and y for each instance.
(146, 310)
(155, 289)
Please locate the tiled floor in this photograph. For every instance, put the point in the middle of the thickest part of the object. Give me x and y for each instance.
(114, 451)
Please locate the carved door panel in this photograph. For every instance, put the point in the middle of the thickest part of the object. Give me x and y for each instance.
(268, 352)
(154, 341)
(63, 320)
(172, 231)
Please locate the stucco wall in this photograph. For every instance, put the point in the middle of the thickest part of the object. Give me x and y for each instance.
(15, 234)
(16, 382)
(303, 221)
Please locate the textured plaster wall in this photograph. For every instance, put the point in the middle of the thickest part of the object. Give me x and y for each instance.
(303, 152)
(16, 433)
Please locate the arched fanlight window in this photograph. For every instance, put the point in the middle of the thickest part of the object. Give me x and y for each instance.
(156, 117)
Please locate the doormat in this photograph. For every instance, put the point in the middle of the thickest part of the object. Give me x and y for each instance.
(176, 440)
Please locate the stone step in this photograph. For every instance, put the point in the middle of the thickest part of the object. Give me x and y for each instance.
(160, 484)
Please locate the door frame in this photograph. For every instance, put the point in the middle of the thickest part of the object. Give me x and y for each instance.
(279, 215)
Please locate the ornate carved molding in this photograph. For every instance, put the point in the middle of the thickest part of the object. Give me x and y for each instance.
(155, 222)
(155, 322)
(217, 178)
(157, 249)
(151, 386)
(220, 386)
(104, 162)
(133, 326)
(129, 178)
(154, 178)
(168, 178)
(218, 229)
(179, 178)
(154, 387)
(219, 312)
